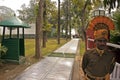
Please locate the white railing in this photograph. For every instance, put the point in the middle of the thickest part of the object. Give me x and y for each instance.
(113, 45)
(116, 72)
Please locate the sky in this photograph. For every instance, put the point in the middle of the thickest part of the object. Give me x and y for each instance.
(15, 4)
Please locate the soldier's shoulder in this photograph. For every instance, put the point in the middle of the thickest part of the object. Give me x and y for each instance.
(110, 52)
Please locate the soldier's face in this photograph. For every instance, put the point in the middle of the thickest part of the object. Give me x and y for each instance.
(101, 43)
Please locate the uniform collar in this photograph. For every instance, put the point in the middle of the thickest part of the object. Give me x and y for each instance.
(100, 52)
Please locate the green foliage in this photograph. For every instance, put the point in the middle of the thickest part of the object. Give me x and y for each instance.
(116, 18)
(29, 13)
(66, 55)
(82, 47)
(80, 11)
(47, 27)
(3, 51)
(115, 37)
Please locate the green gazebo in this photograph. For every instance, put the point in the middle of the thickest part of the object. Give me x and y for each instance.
(14, 42)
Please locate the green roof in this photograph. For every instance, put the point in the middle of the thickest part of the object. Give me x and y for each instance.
(13, 22)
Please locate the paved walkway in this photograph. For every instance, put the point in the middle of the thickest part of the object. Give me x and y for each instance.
(52, 68)
(69, 47)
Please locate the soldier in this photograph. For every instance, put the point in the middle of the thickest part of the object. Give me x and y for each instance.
(98, 63)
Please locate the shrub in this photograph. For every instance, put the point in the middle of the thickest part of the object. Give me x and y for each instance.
(3, 51)
(115, 37)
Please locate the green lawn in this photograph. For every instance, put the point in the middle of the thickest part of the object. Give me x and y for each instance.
(82, 47)
(65, 55)
(50, 46)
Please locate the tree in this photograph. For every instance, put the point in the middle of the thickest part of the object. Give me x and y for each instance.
(44, 20)
(6, 12)
(66, 17)
(23, 13)
(28, 13)
(58, 31)
(80, 12)
(39, 25)
(49, 9)
(116, 19)
(111, 4)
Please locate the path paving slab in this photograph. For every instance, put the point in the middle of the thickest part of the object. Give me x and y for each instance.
(50, 68)
(69, 47)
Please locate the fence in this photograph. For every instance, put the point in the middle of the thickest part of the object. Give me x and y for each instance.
(116, 72)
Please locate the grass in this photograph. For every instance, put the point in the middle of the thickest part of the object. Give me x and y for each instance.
(82, 50)
(82, 47)
(66, 55)
(51, 45)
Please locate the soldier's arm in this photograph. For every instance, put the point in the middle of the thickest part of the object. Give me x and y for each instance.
(112, 65)
(84, 62)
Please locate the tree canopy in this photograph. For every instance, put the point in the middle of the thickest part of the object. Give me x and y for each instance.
(6, 12)
(111, 4)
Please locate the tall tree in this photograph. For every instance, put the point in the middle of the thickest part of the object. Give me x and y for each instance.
(58, 31)
(80, 11)
(39, 25)
(49, 9)
(28, 13)
(66, 17)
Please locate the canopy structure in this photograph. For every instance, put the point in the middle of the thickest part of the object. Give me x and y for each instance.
(14, 42)
(101, 20)
(14, 22)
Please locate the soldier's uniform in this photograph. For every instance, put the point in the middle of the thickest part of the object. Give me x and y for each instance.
(97, 66)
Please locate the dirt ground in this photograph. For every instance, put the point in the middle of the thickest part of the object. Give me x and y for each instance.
(10, 70)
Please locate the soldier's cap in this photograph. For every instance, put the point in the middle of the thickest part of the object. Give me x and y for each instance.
(101, 33)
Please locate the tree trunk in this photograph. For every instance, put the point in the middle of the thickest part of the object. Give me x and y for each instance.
(58, 34)
(83, 20)
(67, 21)
(69, 3)
(44, 21)
(39, 25)
(44, 39)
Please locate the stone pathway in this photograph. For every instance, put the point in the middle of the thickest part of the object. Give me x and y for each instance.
(52, 68)
(69, 47)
